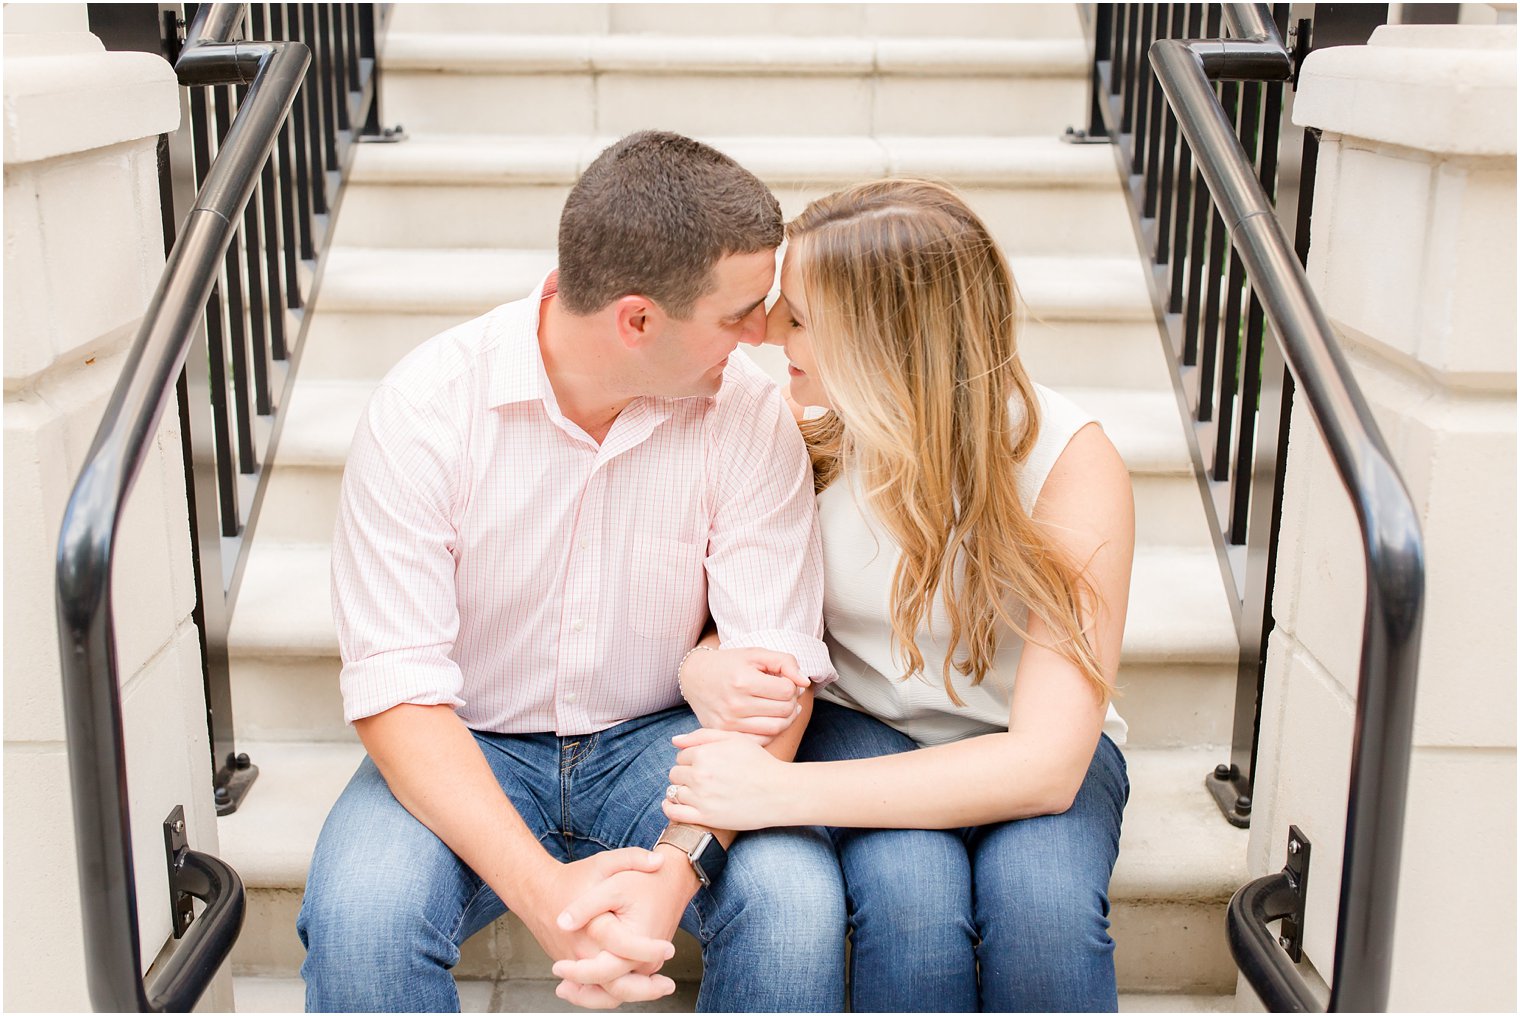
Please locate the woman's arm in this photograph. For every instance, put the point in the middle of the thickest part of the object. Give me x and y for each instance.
(1035, 768)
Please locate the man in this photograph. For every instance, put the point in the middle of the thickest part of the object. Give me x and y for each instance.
(539, 509)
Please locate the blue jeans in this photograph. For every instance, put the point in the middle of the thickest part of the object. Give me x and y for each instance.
(1009, 917)
(388, 904)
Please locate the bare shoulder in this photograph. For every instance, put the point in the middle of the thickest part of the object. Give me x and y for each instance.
(1087, 500)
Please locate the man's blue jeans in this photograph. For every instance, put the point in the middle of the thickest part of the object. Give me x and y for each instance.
(1009, 917)
(388, 904)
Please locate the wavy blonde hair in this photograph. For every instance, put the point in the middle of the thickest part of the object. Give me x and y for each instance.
(913, 312)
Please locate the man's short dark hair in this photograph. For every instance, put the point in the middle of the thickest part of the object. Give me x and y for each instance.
(652, 216)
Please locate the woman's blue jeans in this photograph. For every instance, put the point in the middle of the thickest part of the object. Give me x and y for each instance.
(1010, 917)
(388, 904)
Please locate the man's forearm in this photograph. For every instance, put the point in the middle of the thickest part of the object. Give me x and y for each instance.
(436, 770)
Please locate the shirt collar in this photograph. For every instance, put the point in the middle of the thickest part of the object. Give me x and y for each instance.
(518, 364)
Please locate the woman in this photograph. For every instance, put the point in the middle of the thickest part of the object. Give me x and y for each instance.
(978, 534)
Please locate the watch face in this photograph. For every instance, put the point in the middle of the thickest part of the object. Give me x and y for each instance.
(710, 860)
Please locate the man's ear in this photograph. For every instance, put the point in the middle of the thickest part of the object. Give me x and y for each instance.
(638, 320)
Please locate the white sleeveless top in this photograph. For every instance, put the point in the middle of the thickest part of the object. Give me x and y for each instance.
(859, 558)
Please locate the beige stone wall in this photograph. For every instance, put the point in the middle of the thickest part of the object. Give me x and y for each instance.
(1413, 258)
(83, 252)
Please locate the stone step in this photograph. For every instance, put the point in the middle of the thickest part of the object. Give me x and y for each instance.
(475, 82)
(1176, 682)
(460, 284)
(363, 343)
(1089, 322)
(301, 500)
(1179, 862)
(288, 994)
(1017, 21)
(1038, 195)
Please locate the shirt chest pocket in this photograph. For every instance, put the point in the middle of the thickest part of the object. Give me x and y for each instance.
(668, 588)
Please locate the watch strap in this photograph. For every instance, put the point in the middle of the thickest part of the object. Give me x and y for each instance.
(701, 848)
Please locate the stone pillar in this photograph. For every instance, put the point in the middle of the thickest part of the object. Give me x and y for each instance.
(1413, 258)
(83, 253)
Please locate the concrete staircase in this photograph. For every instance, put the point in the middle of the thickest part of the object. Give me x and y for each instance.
(505, 104)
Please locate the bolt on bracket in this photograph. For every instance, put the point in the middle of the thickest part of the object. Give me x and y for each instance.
(1297, 871)
(176, 845)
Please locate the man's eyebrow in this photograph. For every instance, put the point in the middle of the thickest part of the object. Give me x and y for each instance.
(737, 315)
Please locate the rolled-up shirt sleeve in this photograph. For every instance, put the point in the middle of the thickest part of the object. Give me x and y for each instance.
(393, 563)
(765, 563)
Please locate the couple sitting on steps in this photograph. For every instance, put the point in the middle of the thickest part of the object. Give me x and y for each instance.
(606, 596)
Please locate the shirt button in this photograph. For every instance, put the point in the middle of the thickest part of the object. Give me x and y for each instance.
(585, 544)
(570, 697)
(577, 625)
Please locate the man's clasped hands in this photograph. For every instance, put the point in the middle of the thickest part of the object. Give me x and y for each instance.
(608, 920)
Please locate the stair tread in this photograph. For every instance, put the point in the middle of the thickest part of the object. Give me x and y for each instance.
(1174, 846)
(1177, 610)
(1143, 425)
(804, 160)
(486, 53)
(471, 281)
(288, 994)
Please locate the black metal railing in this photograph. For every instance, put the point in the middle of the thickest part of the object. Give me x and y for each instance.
(1196, 143)
(269, 141)
(1230, 383)
(254, 325)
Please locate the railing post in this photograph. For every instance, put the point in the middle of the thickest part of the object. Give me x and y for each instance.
(1103, 32)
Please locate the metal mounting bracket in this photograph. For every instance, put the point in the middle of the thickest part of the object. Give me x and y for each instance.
(1297, 872)
(176, 845)
(387, 136)
(1079, 136)
(1232, 792)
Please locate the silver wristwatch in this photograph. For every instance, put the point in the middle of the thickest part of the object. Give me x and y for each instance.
(701, 848)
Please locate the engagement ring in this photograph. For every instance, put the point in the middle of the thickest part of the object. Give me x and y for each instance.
(672, 793)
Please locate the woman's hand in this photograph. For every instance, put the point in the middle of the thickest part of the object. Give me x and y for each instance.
(725, 780)
(749, 691)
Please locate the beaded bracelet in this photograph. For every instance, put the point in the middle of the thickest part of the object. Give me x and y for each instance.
(680, 666)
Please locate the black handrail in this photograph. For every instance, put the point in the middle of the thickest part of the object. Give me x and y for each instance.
(1386, 515)
(87, 543)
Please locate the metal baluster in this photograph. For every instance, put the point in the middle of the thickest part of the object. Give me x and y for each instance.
(1103, 44)
(1146, 90)
(1216, 270)
(1245, 445)
(367, 14)
(329, 89)
(338, 74)
(1197, 267)
(1119, 50)
(355, 46)
(1134, 61)
(311, 91)
(1247, 121)
(299, 170)
(216, 355)
(1169, 182)
(1161, 122)
(258, 315)
(248, 460)
(275, 222)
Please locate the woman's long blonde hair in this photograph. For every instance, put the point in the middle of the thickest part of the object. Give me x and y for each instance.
(913, 314)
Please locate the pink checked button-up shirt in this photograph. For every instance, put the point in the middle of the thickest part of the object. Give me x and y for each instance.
(489, 555)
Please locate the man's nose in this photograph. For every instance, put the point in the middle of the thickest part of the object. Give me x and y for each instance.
(774, 333)
(753, 332)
